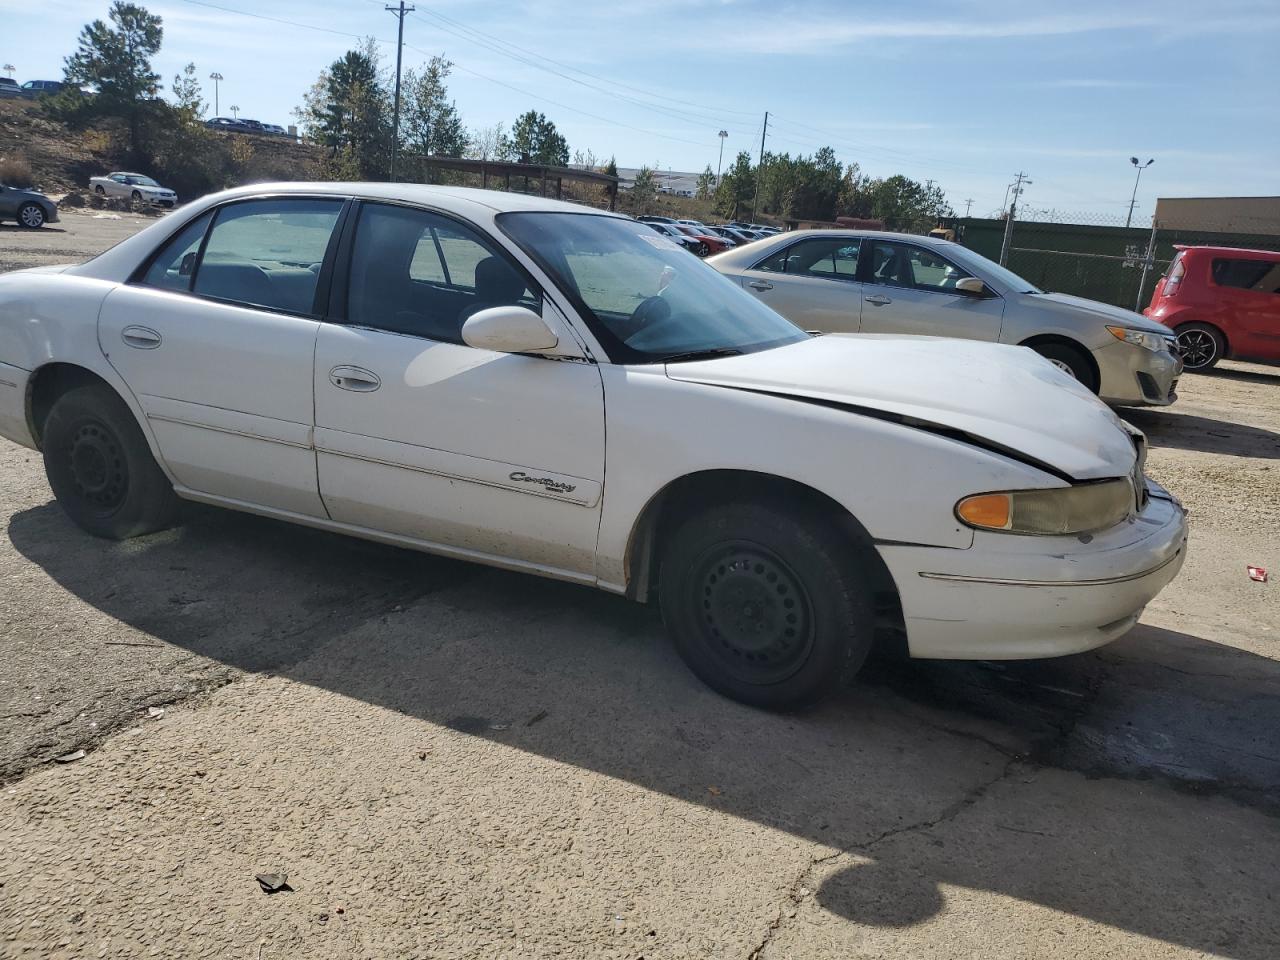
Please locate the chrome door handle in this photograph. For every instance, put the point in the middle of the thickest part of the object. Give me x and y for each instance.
(760, 285)
(878, 300)
(144, 338)
(357, 379)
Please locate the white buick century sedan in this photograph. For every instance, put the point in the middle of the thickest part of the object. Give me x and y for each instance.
(556, 390)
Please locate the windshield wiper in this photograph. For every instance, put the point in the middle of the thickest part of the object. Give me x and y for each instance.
(709, 353)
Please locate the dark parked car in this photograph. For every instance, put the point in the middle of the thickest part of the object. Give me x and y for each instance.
(9, 88)
(34, 89)
(30, 208)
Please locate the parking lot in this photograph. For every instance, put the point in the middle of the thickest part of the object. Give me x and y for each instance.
(452, 761)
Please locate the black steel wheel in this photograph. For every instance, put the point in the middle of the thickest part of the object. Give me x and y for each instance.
(768, 606)
(1201, 345)
(100, 467)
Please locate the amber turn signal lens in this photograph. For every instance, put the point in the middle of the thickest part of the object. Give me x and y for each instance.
(990, 510)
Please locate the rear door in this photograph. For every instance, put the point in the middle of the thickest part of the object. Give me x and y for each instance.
(1251, 291)
(216, 338)
(912, 289)
(813, 283)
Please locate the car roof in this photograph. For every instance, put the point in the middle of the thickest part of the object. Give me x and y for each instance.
(1229, 251)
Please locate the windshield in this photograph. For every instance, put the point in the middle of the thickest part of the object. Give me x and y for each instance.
(140, 181)
(645, 298)
(982, 265)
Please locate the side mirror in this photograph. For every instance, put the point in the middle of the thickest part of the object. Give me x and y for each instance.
(972, 286)
(510, 329)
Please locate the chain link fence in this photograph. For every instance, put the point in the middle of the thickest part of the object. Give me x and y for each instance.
(1096, 256)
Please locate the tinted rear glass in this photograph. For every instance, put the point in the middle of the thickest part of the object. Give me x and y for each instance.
(1260, 275)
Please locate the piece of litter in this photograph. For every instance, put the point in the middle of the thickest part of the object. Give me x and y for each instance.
(273, 882)
(714, 791)
(422, 754)
(499, 726)
(155, 713)
(70, 757)
(1258, 573)
(540, 715)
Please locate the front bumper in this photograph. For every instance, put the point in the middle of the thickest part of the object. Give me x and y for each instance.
(1016, 598)
(1130, 375)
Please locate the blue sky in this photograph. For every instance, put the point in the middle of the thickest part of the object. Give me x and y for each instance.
(963, 93)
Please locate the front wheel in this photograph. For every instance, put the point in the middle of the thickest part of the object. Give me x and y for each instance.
(100, 190)
(1070, 360)
(1201, 346)
(31, 216)
(100, 467)
(767, 607)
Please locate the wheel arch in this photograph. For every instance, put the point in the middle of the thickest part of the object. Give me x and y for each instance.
(51, 381)
(1062, 340)
(685, 495)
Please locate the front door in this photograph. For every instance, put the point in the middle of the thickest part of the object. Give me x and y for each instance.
(418, 435)
(912, 289)
(813, 283)
(216, 341)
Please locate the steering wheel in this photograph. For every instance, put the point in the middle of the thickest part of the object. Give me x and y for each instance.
(650, 310)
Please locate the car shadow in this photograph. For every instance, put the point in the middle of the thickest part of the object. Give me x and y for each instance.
(587, 679)
(14, 228)
(1253, 375)
(1167, 428)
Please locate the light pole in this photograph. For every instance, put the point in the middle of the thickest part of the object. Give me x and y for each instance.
(8, 69)
(235, 111)
(720, 163)
(1134, 198)
(216, 78)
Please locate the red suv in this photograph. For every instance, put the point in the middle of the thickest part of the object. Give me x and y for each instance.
(1221, 302)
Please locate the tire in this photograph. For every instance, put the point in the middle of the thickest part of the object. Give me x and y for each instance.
(702, 249)
(769, 608)
(31, 216)
(100, 190)
(136, 197)
(100, 467)
(1201, 345)
(1069, 359)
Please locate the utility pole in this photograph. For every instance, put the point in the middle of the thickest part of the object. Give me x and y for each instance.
(967, 205)
(1134, 198)
(399, 11)
(216, 78)
(1015, 191)
(759, 166)
(722, 134)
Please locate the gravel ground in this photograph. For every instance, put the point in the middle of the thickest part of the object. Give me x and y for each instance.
(451, 761)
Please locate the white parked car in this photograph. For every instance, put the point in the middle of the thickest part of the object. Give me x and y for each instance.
(135, 187)
(561, 391)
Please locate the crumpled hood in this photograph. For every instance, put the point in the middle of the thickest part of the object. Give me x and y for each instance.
(1104, 311)
(1006, 395)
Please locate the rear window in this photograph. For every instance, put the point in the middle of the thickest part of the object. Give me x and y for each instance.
(1260, 275)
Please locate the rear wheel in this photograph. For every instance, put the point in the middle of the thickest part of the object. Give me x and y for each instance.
(31, 216)
(769, 608)
(100, 467)
(1202, 346)
(136, 197)
(1070, 360)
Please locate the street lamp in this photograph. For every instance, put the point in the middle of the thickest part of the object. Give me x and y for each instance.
(215, 77)
(8, 69)
(1134, 198)
(720, 163)
(235, 111)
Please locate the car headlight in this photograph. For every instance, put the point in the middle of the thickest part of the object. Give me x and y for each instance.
(1154, 342)
(1063, 510)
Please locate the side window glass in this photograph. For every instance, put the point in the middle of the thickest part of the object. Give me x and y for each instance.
(890, 265)
(1260, 275)
(929, 271)
(835, 258)
(176, 263)
(422, 274)
(268, 253)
